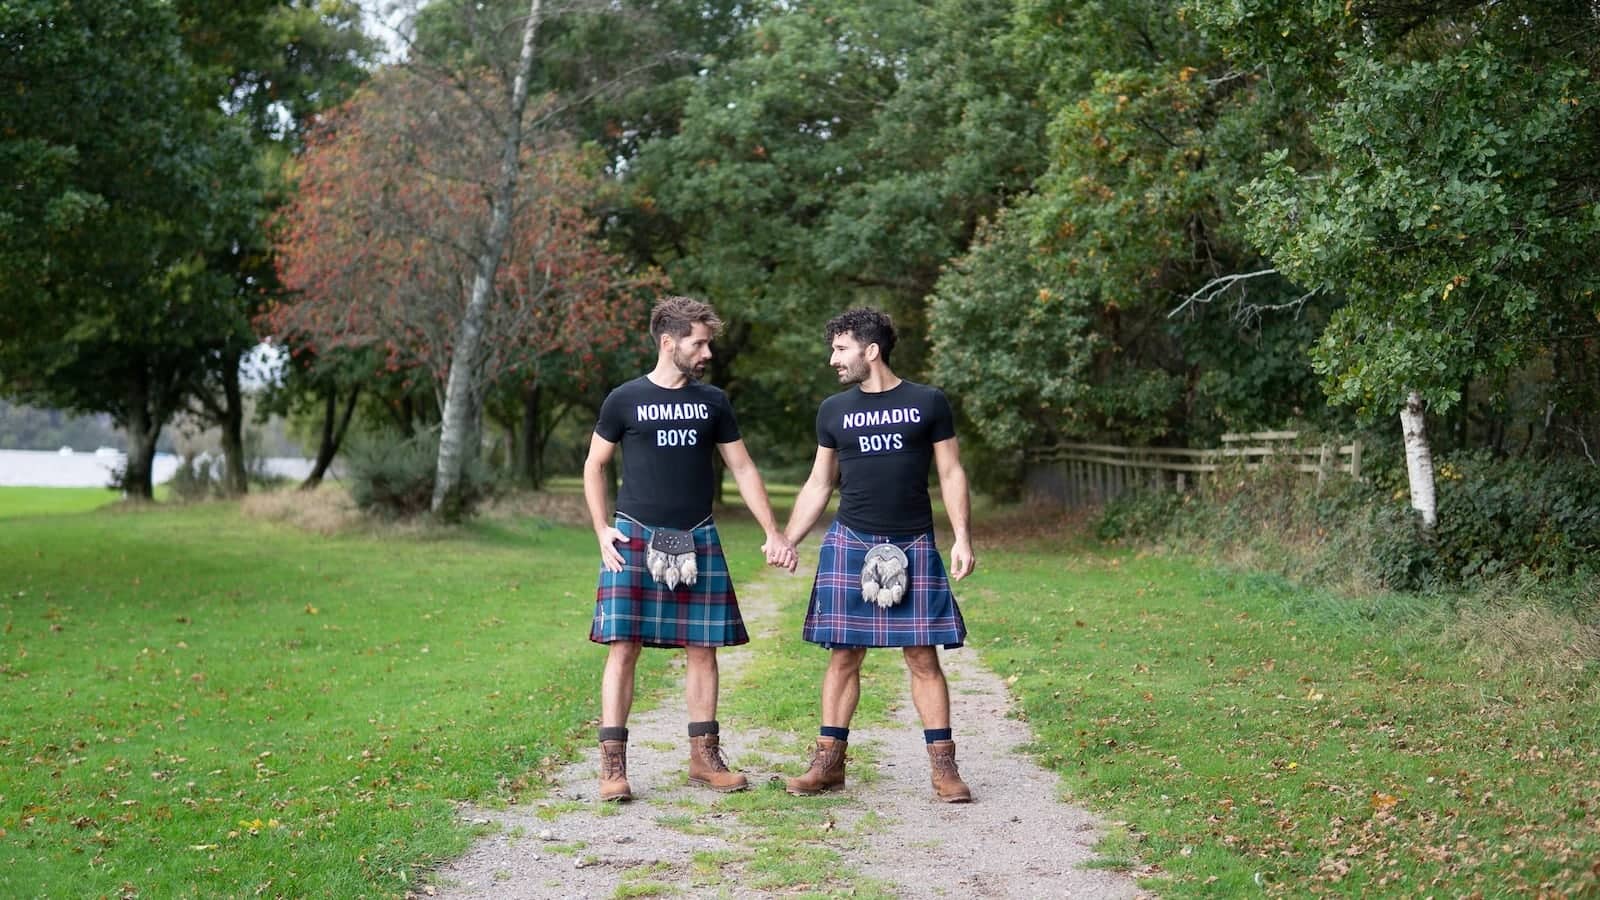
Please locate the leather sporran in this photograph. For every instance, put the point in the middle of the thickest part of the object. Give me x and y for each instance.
(670, 557)
(885, 575)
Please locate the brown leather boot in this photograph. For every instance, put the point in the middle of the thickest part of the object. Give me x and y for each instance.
(826, 772)
(614, 771)
(707, 768)
(947, 783)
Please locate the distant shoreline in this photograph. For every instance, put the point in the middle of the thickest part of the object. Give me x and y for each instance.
(49, 468)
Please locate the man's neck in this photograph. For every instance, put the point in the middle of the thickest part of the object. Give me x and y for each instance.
(879, 379)
(666, 375)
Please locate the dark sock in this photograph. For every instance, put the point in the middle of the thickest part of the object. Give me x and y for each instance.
(697, 729)
(833, 731)
(935, 734)
(613, 733)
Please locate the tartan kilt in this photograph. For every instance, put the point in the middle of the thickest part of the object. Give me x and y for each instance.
(840, 617)
(631, 606)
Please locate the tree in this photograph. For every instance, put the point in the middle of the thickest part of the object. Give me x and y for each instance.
(1058, 322)
(1454, 200)
(272, 65)
(386, 232)
(828, 155)
(122, 191)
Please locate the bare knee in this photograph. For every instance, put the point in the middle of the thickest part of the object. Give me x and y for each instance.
(923, 662)
(623, 654)
(847, 662)
(701, 657)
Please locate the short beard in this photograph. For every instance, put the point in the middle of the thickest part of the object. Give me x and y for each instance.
(854, 374)
(691, 369)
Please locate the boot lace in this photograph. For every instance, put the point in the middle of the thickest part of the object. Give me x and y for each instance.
(945, 765)
(713, 756)
(614, 763)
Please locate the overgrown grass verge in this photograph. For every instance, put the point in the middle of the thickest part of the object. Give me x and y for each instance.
(1259, 736)
(198, 703)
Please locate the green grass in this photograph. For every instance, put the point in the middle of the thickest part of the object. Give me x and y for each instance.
(18, 502)
(1255, 735)
(196, 703)
(201, 704)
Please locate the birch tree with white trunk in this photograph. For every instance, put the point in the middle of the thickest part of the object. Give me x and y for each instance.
(463, 391)
(1419, 459)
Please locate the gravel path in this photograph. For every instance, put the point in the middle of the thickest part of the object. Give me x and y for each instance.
(1015, 840)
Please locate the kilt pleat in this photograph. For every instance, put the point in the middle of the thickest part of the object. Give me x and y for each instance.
(632, 606)
(840, 617)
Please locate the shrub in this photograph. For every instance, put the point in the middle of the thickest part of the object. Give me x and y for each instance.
(393, 475)
(1495, 517)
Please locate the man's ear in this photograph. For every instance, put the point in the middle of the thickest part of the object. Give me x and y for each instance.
(666, 341)
(871, 352)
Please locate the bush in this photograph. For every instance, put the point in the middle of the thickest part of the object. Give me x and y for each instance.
(1496, 517)
(1535, 523)
(393, 475)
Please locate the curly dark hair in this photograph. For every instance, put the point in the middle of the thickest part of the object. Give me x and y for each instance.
(867, 326)
(677, 316)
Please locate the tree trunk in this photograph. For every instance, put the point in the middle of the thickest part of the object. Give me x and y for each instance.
(235, 479)
(1419, 459)
(138, 482)
(333, 431)
(461, 389)
(530, 446)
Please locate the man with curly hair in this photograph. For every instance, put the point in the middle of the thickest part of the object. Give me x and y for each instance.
(663, 579)
(880, 580)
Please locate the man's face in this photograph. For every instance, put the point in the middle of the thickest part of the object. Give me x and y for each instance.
(691, 352)
(849, 359)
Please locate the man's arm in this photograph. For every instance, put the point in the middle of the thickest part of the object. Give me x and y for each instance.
(813, 496)
(594, 494)
(957, 504)
(779, 550)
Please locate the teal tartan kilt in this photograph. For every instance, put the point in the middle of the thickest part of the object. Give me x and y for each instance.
(840, 617)
(632, 606)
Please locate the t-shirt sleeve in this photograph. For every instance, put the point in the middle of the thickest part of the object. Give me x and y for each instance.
(727, 424)
(942, 419)
(612, 423)
(825, 434)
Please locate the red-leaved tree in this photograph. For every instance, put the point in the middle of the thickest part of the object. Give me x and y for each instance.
(379, 247)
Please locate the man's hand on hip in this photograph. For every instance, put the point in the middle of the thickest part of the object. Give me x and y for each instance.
(609, 557)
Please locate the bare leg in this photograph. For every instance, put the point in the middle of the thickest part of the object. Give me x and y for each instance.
(616, 685)
(700, 684)
(929, 692)
(841, 686)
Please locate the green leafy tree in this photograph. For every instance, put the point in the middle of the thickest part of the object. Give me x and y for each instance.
(1151, 133)
(830, 155)
(121, 191)
(1453, 200)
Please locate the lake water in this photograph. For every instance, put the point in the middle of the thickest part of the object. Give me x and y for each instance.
(44, 468)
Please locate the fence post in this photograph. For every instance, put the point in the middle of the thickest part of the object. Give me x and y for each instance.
(1355, 459)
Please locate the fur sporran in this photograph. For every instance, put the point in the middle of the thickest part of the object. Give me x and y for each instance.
(670, 557)
(885, 575)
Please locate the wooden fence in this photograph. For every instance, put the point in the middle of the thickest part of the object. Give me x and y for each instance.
(1087, 474)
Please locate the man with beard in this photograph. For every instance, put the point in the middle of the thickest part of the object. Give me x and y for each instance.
(880, 580)
(663, 579)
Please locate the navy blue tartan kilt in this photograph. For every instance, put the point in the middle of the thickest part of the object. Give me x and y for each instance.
(840, 617)
(632, 606)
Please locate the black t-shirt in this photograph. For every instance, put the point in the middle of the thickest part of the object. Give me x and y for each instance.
(667, 437)
(885, 446)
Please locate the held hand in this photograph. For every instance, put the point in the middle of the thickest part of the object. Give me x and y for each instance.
(609, 557)
(962, 562)
(780, 552)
